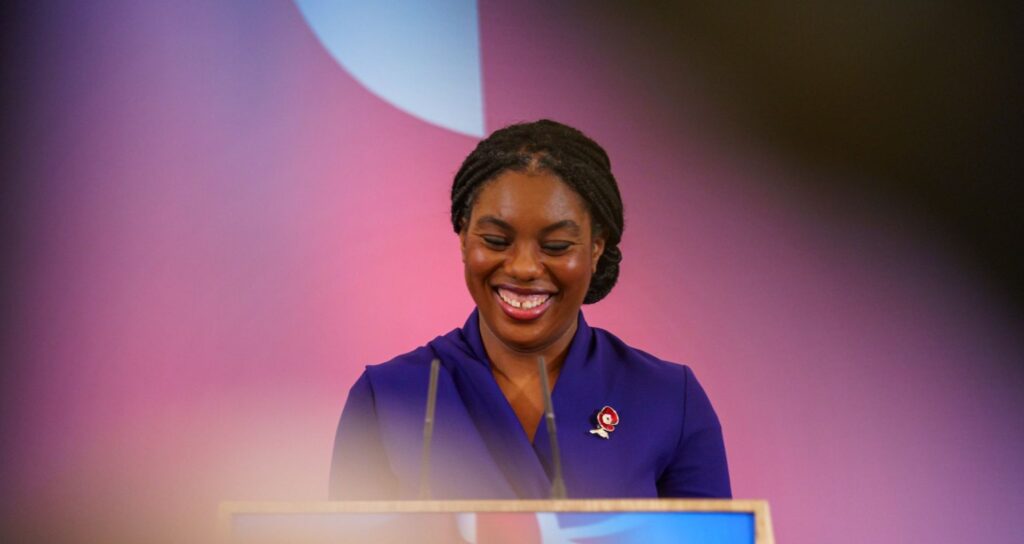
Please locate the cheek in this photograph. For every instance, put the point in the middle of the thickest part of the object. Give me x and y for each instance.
(575, 272)
(479, 262)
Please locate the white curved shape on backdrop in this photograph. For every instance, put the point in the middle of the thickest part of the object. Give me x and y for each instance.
(422, 57)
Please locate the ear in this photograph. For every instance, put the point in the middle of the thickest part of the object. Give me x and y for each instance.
(597, 249)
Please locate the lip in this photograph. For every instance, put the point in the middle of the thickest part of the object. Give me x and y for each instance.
(522, 290)
(520, 314)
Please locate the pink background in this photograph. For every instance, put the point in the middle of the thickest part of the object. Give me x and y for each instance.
(223, 227)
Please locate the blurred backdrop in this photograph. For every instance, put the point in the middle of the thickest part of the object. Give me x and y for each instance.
(215, 214)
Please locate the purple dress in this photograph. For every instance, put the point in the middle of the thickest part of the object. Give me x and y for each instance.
(668, 441)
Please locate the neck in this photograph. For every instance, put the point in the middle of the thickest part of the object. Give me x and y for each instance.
(518, 364)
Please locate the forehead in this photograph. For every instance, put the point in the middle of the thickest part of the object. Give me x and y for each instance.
(539, 197)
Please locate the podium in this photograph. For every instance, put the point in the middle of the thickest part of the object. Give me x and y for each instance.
(607, 521)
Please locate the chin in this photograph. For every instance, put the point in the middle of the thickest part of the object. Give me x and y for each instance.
(525, 335)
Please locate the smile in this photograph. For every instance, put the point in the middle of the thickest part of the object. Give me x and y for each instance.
(522, 306)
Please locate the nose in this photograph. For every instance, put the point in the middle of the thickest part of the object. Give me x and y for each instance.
(523, 263)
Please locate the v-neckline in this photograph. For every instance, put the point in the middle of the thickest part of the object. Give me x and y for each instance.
(521, 458)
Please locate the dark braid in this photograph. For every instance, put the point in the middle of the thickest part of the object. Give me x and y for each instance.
(566, 152)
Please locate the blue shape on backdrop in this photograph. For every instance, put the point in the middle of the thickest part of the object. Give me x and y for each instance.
(422, 57)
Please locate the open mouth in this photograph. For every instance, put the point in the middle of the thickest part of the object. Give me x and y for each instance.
(521, 304)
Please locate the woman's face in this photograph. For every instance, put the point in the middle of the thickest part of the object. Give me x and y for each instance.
(530, 251)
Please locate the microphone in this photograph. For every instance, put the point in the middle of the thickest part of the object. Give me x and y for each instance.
(557, 483)
(428, 430)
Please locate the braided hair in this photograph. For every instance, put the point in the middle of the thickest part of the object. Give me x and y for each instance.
(577, 160)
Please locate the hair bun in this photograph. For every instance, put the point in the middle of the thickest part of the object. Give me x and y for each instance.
(606, 276)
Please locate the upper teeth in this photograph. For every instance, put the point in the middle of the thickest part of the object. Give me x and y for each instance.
(524, 302)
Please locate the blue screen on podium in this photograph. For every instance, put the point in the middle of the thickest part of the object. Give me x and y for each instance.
(497, 527)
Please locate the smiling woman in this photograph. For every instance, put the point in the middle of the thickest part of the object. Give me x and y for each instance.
(539, 218)
(530, 252)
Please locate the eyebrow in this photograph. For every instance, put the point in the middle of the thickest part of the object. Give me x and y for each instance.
(563, 224)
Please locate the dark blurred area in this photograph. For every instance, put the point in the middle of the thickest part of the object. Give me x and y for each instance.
(915, 104)
(14, 183)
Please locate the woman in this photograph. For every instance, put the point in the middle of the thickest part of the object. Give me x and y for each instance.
(539, 219)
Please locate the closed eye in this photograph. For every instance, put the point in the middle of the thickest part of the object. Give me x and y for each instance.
(557, 247)
(495, 241)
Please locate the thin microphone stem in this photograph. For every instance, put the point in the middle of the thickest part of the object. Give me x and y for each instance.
(428, 430)
(558, 484)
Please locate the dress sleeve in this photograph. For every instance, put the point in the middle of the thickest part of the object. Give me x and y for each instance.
(359, 466)
(698, 468)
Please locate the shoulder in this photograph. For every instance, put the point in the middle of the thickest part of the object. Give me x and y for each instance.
(638, 364)
(405, 370)
(412, 368)
(658, 386)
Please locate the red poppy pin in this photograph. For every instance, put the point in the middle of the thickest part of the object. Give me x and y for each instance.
(607, 419)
